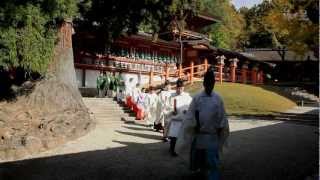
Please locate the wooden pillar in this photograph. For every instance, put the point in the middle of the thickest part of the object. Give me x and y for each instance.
(83, 82)
(151, 78)
(167, 72)
(191, 72)
(233, 67)
(244, 70)
(180, 71)
(254, 74)
(260, 77)
(221, 64)
(205, 65)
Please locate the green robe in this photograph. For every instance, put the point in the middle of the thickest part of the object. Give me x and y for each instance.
(101, 82)
(111, 85)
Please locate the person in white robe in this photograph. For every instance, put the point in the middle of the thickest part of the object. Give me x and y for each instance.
(151, 107)
(141, 100)
(179, 101)
(129, 85)
(135, 93)
(205, 129)
(164, 106)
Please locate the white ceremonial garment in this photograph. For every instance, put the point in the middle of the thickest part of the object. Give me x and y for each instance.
(182, 104)
(141, 100)
(151, 108)
(212, 116)
(163, 107)
(128, 89)
(134, 94)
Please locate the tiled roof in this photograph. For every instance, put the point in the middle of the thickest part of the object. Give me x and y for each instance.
(272, 55)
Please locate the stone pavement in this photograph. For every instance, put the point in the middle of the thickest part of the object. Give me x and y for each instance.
(258, 149)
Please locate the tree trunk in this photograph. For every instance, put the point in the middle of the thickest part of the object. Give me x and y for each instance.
(51, 114)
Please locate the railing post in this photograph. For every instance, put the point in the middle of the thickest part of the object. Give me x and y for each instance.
(244, 70)
(254, 74)
(151, 77)
(260, 77)
(205, 65)
(221, 64)
(167, 72)
(180, 71)
(191, 72)
(233, 66)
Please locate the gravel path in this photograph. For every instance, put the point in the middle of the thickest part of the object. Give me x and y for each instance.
(258, 149)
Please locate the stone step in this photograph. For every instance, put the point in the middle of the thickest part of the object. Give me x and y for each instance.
(102, 104)
(101, 101)
(107, 111)
(103, 107)
(116, 113)
(110, 114)
(119, 115)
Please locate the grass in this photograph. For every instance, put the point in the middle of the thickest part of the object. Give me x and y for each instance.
(242, 99)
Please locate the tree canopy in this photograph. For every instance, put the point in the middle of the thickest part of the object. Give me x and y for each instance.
(229, 32)
(285, 24)
(292, 26)
(28, 27)
(28, 31)
(257, 35)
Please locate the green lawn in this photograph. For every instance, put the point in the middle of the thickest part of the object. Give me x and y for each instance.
(241, 99)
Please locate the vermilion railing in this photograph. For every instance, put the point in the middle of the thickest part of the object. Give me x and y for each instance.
(123, 64)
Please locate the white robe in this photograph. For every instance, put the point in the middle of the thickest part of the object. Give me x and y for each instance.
(212, 116)
(141, 100)
(134, 94)
(151, 108)
(182, 104)
(163, 107)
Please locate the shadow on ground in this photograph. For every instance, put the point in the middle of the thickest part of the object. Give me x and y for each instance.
(307, 118)
(281, 151)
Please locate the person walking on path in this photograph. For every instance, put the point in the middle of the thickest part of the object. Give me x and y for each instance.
(164, 107)
(179, 101)
(151, 107)
(206, 129)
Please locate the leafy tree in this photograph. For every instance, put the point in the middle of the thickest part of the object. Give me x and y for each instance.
(111, 19)
(229, 32)
(256, 33)
(292, 26)
(28, 31)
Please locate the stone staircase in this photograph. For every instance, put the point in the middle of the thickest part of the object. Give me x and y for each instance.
(302, 97)
(108, 111)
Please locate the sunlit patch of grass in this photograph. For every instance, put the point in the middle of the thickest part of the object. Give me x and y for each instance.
(242, 99)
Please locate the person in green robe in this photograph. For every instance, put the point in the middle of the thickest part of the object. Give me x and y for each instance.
(101, 84)
(111, 85)
(120, 88)
(107, 80)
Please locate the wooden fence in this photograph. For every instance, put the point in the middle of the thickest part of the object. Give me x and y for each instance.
(189, 74)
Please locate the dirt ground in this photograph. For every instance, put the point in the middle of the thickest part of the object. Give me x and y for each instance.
(258, 149)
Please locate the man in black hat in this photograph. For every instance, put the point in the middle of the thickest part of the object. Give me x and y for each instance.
(180, 103)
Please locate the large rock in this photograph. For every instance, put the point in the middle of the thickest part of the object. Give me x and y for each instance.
(49, 112)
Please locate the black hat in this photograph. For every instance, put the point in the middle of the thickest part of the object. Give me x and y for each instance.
(167, 82)
(209, 76)
(180, 83)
